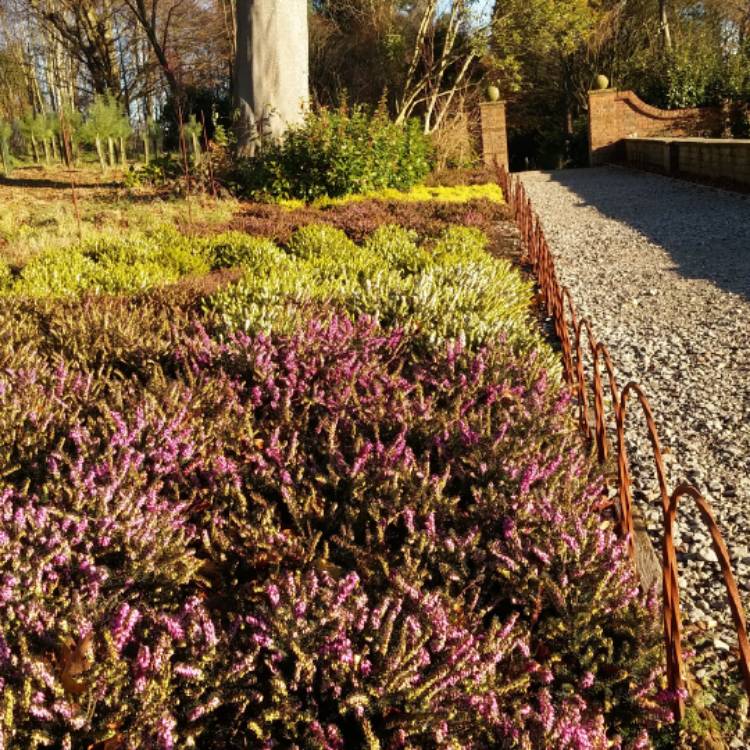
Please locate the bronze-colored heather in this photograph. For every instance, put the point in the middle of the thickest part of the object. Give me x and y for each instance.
(360, 218)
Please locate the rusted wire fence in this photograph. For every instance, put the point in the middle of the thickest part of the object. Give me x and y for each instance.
(579, 344)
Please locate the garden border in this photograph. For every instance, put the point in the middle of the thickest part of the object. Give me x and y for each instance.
(557, 298)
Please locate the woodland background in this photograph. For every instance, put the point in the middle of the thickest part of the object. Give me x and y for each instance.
(167, 59)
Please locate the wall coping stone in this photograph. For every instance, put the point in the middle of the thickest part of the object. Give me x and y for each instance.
(743, 142)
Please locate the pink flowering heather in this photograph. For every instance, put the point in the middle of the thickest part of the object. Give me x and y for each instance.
(319, 540)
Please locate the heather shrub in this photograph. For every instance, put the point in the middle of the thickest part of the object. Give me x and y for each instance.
(454, 290)
(164, 248)
(56, 273)
(112, 264)
(398, 248)
(350, 668)
(361, 218)
(316, 241)
(340, 503)
(236, 249)
(489, 191)
(472, 460)
(335, 153)
(413, 498)
(457, 244)
(272, 302)
(106, 630)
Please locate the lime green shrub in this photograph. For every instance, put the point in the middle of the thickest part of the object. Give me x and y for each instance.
(112, 264)
(264, 302)
(461, 244)
(318, 241)
(459, 194)
(398, 248)
(337, 153)
(236, 249)
(6, 277)
(452, 289)
(165, 247)
(56, 273)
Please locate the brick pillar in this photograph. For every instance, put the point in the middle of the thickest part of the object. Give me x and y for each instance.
(494, 134)
(604, 127)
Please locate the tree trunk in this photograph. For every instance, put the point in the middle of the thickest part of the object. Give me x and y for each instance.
(146, 148)
(112, 157)
(196, 149)
(243, 82)
(271, 69)
(100, 152)
(666, 33)
(45, 143)
(64, 155)
(34, 149)
(53, 140)
(124, 152)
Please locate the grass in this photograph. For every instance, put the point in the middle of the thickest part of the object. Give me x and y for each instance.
(37, 212)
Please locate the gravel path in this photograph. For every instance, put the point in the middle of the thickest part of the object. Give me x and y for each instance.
(662, 268)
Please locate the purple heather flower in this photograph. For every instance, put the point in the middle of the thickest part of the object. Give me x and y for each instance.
(273, 594)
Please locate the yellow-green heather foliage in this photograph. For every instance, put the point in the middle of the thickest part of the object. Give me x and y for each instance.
(452, 288)
(115, 264)
(419, 193)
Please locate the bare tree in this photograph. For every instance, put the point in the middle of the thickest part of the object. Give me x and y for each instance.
(666, 32)
(156, 19)
(85, 29)
(447, 43)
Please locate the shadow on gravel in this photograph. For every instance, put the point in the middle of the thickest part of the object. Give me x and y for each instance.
(705, 231)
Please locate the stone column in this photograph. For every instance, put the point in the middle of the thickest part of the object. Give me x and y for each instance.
(605, 128)
(494, 134)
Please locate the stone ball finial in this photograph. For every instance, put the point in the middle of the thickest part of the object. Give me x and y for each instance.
(601, 82)
(493, 93)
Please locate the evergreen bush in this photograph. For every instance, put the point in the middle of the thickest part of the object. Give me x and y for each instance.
(335, 153)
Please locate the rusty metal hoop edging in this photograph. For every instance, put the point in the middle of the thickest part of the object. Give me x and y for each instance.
(554, 295)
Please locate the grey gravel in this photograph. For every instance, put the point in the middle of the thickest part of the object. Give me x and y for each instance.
(662, 269)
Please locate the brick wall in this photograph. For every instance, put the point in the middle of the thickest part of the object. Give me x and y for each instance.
(494, 134)
(616, 115)
(724, 160)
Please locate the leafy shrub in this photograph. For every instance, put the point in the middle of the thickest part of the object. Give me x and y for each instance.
(162, 170)
(335, 153)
